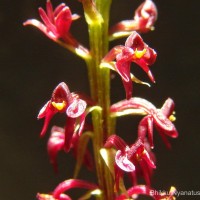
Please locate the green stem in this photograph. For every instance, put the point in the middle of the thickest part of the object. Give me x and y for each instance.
(97, 17)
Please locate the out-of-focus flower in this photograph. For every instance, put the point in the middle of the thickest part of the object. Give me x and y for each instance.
(145, 16)
(134, 191)
(58, 193)
(56, 143)
(160, 118)
(63, 101)
(130, 158)
(56, 23)
(143, 21)
(135, 50)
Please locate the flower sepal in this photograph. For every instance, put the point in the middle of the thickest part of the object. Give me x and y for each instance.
(58, 192)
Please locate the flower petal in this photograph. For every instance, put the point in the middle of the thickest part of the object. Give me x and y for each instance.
(49, 9)
(135, 41)
(134, 103)
(123, 162)
(49, 25)
(41, 27)
(148, 160)
(165, 124)
(69, 131)
(55, 144)
(168, 107)
(70, 184)
(116, 142)
(48, 112)
(61, 93)
(63, 21)
(59, 8)
(76, 108)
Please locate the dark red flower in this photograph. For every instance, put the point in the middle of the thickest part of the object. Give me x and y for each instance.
(160, 118)
(145, 16)
(143, 21)
(56, 23)
(130, 158)
(56, 143)
(135, 50)
(63, 101)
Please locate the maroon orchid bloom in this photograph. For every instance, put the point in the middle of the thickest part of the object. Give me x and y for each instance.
(143, 21)
(63, 101)
(58, 193)
(147, 191)
(160, 118)
(135, 50)
(56, 143)
(130, 158)
(145, 16)
(56, 23)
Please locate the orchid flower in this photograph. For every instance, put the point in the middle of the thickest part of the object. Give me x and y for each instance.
(56, 26)
(128, 157)
(145, 16)
(135, 50)
(56, 23)
(63, 101)
(56, 143)
(143, 21)
(160, 118)
(134, 191)
(58, 193)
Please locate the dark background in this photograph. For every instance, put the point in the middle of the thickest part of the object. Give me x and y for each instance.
(31, 66)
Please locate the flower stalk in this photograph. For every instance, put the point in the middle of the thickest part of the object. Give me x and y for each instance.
(113, 156)
(100, 81)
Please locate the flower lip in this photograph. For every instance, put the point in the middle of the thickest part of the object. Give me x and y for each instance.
(76, 108)
(123, 162)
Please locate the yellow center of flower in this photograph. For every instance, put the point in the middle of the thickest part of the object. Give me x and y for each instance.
(172, 118)
(138, 54)
(59, 106)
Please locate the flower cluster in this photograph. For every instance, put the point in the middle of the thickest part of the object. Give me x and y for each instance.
(131, 159)
(138, 158)
(160, 118)
(112, 155)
